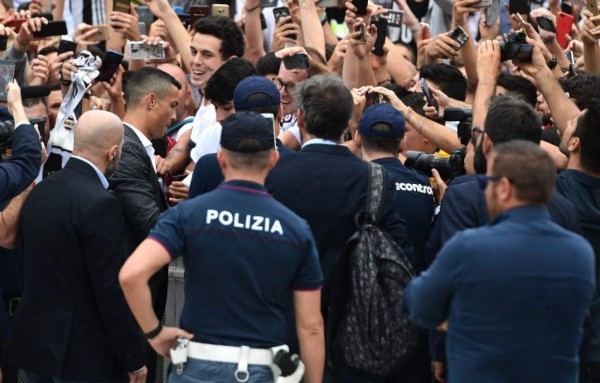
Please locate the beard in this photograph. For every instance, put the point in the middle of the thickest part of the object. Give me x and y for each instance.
(479, 160)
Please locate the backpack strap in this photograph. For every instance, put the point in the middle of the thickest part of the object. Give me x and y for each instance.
(376, 191)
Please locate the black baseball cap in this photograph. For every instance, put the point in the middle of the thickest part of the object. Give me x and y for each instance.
(247, 132)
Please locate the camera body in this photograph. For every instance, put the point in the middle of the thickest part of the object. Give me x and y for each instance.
(448, 167)
(515, 47)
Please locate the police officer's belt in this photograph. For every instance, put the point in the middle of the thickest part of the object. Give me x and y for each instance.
(229, 354)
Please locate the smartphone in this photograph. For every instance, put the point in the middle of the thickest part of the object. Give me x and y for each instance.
(395, 18)
(571, 58)
(281, 12)
(563, 28)
(198, 12)
(15, 24)
(382, 26)
(483, 4)
(110, 64)
(145, 16)
(101, 33)
(3, 42)
(523, 24)
(492, 13)
(122, 6)
(546, 23)
(459, 35)
(566, 8)
(66, 46)
(271, 118)
(361, 7)
(297, 61)
(40, 125)
(373, 98)
(519, 6)
(142, 27)
(363, 33)
(268, 3)
(430, 99)
(53, 28)
(7, 74)
(140, 51)
(592, 6)
(220, 10)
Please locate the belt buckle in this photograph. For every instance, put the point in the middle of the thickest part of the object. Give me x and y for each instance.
(13, 304)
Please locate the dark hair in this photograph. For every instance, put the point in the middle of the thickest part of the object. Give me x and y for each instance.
(379, 144)
(582, 88)
(255, 161)
(510, 118)
(415, 101)
(221, 85)
(326, 105)
(226, 30)
(315, 55)
(528, 168)
(148, 80)
(268, 64)
(411, 48)
(449, 79)
(588, 131)
(45, 51)
(519, 86)
(29, 102)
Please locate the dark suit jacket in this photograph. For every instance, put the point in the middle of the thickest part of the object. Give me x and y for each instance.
(208, 175)
(20, 170)
(327, 185)
(464, 207)
(135, 184)
(73, 321)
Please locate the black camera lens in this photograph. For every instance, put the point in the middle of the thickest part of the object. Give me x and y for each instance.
(424, 162)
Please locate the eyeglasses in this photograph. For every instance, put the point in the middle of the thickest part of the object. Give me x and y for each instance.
(483, 180)
(288, 86)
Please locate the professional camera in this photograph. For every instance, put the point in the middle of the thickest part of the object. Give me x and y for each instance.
(464, 118)
(448, 167)
(515, 47)
(6, 131)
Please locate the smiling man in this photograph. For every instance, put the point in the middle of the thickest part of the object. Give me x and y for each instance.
(216, 40)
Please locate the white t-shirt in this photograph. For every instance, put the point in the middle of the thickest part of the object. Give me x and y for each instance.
(205, 117)
(208, 142)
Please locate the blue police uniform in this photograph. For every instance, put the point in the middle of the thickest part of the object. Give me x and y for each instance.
(244, 253)
(515, 294)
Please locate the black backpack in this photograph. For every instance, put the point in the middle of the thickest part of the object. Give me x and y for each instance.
(367, 327)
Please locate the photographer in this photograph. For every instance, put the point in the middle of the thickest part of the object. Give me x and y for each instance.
(20, 170)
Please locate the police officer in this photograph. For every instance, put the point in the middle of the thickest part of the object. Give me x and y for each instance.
(380, 132)
(244, 254)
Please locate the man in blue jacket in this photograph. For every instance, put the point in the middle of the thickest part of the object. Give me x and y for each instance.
(514, 293)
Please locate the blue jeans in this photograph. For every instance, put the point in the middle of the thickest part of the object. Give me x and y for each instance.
(203, 371)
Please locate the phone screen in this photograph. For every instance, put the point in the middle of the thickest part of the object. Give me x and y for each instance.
(110, 64)
(7, 74)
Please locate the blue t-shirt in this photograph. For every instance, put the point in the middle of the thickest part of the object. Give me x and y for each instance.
(413, 197)
(243, 254)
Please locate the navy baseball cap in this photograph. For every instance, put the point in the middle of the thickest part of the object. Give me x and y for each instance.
(255, 85)
(382, 113)
(247, 132)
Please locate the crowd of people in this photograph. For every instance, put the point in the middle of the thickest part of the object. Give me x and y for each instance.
(249, 143)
